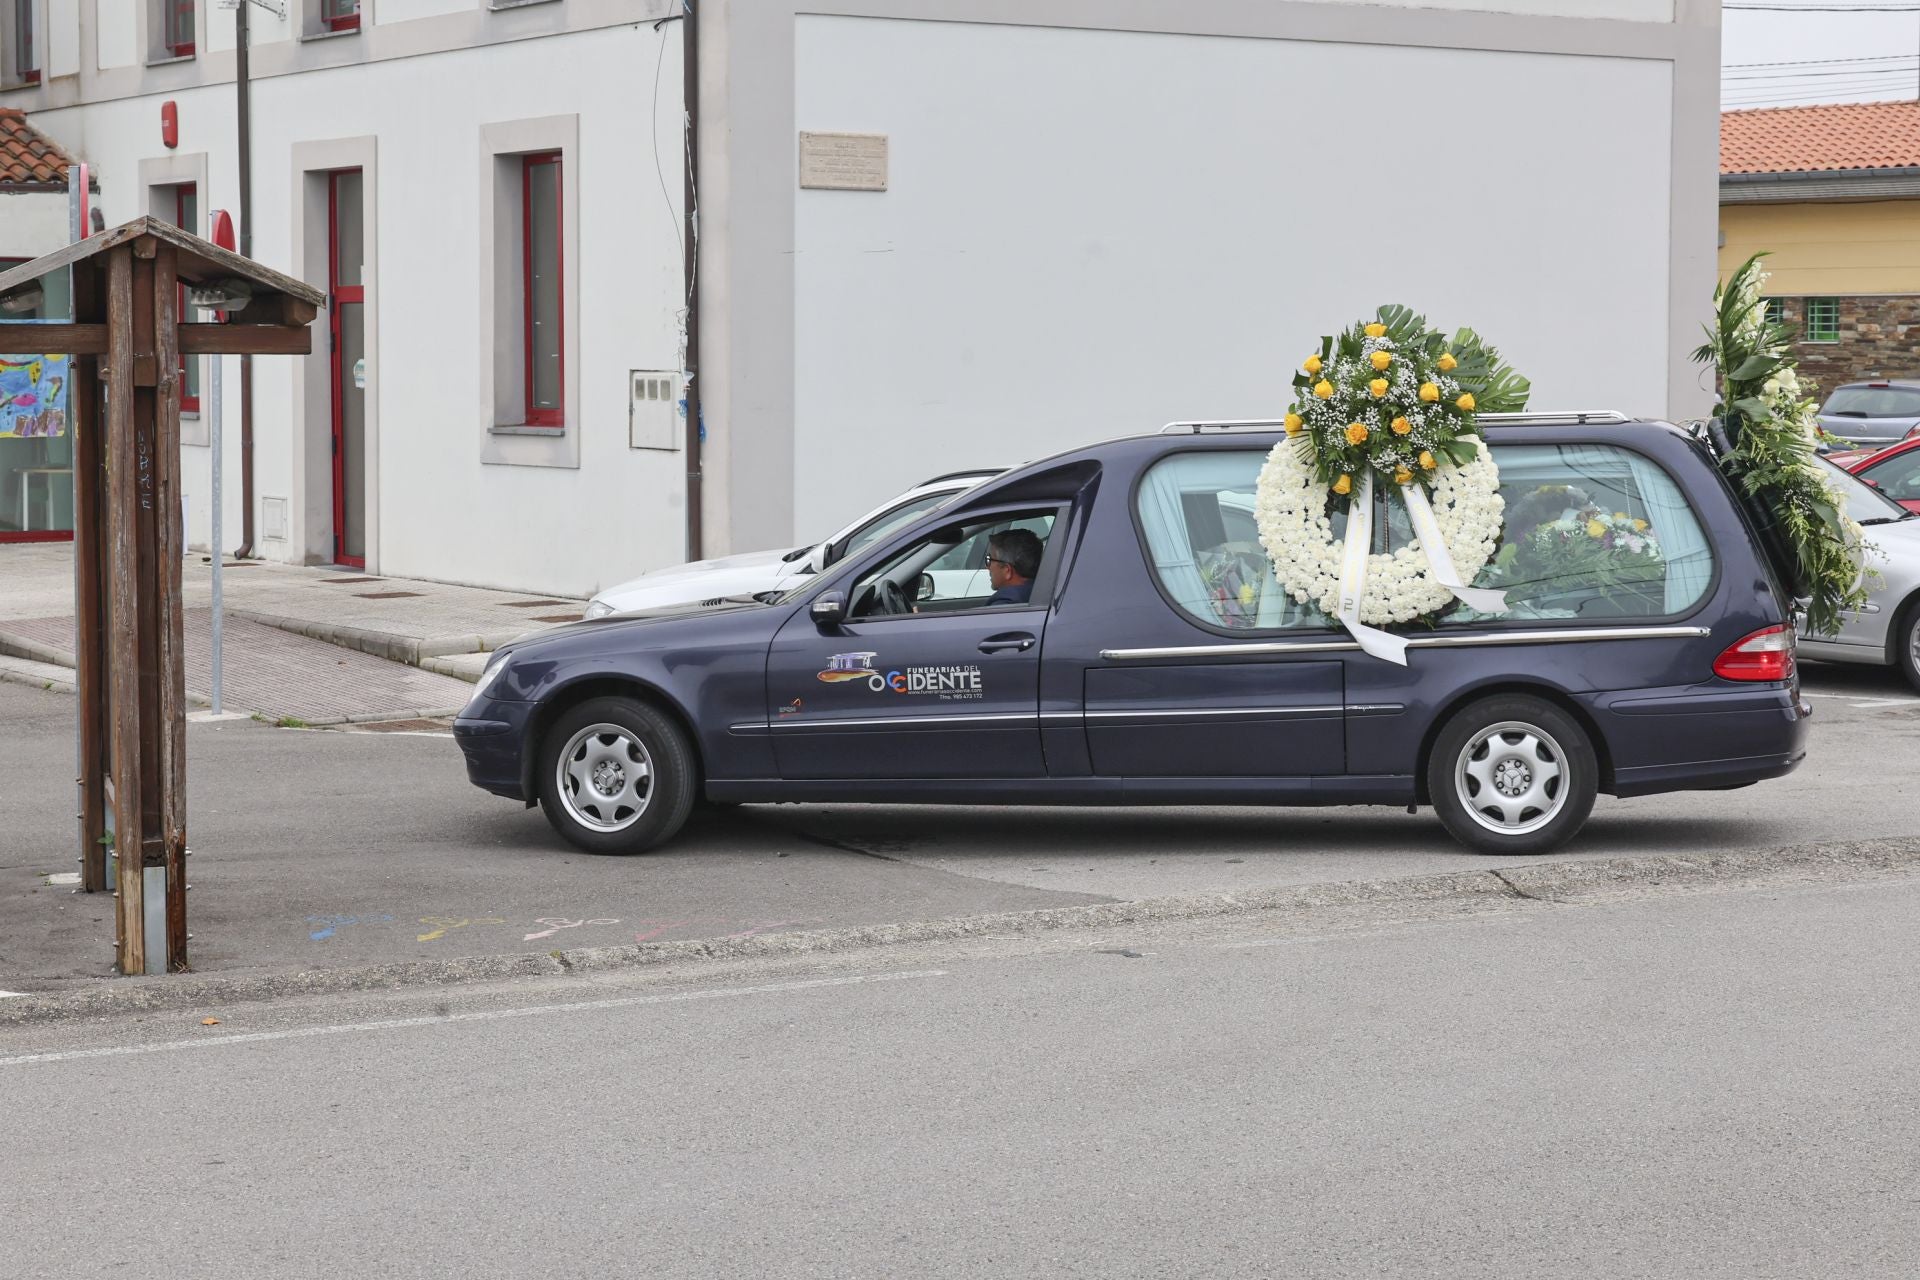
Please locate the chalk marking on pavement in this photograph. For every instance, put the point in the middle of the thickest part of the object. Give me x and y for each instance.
(485, 1015)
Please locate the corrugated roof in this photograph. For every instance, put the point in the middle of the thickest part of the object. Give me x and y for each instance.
(28, 156)
(1833, 136)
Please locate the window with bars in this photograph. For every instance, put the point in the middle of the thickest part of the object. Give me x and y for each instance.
(176, 25)
(542, 262)
(1823, 320)
(1776, 310)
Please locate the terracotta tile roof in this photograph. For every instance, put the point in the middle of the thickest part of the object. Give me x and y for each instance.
(1844, 135)
(28, 156)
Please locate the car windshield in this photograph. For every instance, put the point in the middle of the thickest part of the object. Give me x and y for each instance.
(1864, 503)
(1874, 402)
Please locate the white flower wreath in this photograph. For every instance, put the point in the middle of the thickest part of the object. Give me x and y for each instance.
(1291, 508)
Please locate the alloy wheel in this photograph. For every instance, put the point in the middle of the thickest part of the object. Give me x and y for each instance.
(1512, 778)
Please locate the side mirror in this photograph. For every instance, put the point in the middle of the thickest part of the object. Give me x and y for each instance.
(926, 587)
(817, 558)
(829, 609)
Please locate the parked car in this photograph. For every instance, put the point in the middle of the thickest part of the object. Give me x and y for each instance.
(1157, 662)
(750, 573)
(1867, 415)
(1894, 471)
(1886, 630)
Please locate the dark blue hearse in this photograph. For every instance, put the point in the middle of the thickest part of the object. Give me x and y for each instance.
(1157, 661)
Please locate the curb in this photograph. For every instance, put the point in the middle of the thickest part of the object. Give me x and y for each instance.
(383, 644)
(1547, 884)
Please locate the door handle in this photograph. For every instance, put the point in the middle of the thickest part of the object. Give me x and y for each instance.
(1019, 642)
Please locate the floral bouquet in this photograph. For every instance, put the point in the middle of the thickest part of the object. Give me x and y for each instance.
(1234, 583)
(1583, 548)
(1396, 397)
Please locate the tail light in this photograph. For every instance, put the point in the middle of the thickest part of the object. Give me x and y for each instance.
(1765, 655)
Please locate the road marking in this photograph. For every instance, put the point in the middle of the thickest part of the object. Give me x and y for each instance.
(64, 877)
(5, 994)
(488, 1015)
(1857, 700)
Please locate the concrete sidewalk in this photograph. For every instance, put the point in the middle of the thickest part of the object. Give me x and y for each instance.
(321, 646)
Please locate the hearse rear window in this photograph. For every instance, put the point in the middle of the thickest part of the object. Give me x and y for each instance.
(1592, 532)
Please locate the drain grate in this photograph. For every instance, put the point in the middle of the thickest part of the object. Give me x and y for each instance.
(331, 581)
(558, 617)
(387, 595)
(536, 604)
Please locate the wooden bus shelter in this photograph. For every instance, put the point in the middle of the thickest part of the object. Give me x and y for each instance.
(128, 340)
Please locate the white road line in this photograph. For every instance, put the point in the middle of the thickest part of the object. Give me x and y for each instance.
(1857, 700)
(488, 1015)
(64, 877)
(5, 994)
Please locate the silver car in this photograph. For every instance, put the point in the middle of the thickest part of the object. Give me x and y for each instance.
(1872, 414)
(1886, 630)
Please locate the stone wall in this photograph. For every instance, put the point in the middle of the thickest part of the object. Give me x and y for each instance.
(1879, 338)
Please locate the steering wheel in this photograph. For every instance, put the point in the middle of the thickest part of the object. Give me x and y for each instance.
(890, 598)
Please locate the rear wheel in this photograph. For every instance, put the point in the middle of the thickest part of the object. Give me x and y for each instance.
(616, 776)
(1512, 774)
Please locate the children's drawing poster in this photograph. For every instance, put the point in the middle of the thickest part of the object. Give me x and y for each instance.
(33, 396)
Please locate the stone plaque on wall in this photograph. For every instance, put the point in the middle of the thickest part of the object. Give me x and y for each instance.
(843, 161)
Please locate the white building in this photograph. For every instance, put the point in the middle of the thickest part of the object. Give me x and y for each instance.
(1088, 217)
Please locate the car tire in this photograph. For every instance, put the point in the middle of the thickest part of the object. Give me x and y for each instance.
(616, 776)
(1512, 774)
(1906, 643)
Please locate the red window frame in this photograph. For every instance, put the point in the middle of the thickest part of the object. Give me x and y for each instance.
(340, 21)
(172, 13)
(557, 416)
(182, 192)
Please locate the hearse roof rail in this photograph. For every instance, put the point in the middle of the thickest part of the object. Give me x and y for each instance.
(1574, 417)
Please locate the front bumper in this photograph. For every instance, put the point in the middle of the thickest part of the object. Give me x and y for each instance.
(492, 736)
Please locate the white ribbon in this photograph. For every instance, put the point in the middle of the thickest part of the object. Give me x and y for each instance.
(1353, 577)
(1426, 530)
(1353, 568)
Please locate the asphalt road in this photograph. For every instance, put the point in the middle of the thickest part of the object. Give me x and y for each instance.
(323, 848)
(1664, 1086)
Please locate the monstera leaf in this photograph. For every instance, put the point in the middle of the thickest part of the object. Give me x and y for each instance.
(1496, 387)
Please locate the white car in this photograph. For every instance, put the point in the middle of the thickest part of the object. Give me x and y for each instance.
(755, 571)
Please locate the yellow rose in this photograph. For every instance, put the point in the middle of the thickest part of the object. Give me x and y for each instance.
(1376, 330)
(1381, 359)
(1426, 460)
(1401, 426)
(1619, 515)
(1378, 386)
(1446, 362)
(1403, 476)
(1357, 433)
(1343, 485)
(1595, 529)
(1465, 402)
(1639, 526)
(1429, 392)
(1323, 389)
(1313, 364)
(1294, 424)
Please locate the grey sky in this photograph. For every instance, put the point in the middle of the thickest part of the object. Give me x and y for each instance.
(1749, 36)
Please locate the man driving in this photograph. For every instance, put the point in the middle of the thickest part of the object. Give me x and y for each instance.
(1013, 558)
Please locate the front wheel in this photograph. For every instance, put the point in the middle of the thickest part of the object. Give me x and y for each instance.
(1512, 774)
(1906, 644)
(616, 776)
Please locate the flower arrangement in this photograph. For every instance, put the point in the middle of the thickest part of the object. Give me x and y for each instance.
(1396, 397)
(1581, 547)
(1388, 398)
(1771, 434)
(1234, 581)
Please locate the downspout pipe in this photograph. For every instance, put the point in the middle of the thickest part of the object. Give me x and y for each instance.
(695, 427)
(244, 86)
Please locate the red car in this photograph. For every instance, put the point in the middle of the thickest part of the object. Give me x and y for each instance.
(1894, 471)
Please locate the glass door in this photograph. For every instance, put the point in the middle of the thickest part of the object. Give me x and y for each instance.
(346, 294)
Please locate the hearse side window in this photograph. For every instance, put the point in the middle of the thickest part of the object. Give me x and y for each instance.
(1592, 532)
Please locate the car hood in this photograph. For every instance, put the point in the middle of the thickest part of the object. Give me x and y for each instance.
(739, 575)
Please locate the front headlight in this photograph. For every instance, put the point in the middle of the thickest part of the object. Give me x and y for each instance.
(597, 608)
(487, 677)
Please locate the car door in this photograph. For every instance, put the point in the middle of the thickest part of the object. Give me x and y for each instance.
(948, 689)
(1174, 689)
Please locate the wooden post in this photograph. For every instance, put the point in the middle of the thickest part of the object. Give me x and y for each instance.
(170, 689)
(88, 429)
(123, 636)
